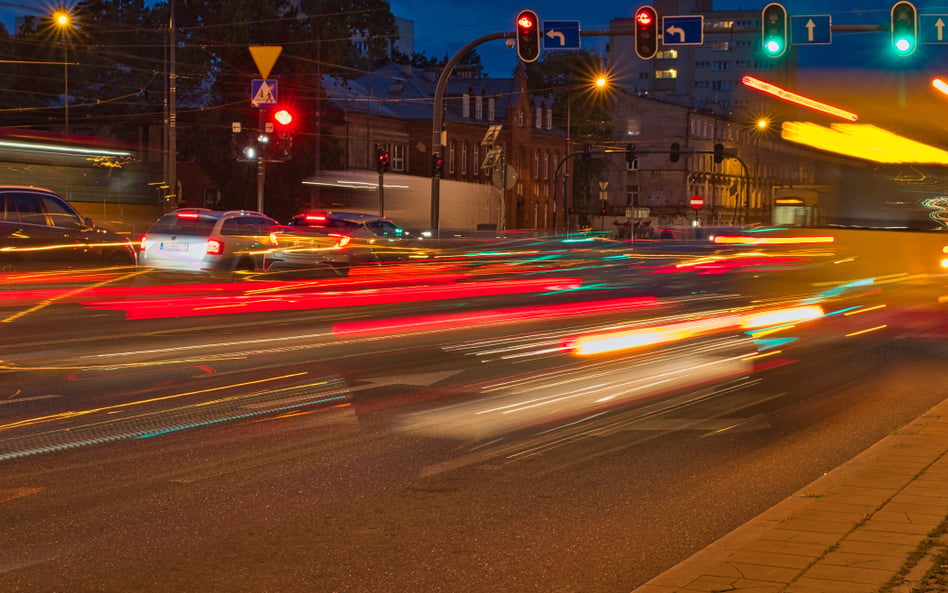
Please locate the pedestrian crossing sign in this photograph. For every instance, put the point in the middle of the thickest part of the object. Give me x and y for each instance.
(263, 93)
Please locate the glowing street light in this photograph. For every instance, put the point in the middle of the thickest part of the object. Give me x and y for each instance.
(63, 20)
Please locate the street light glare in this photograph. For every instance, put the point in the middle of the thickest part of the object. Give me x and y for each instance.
(602, 81)
(62, 18)
(763, 123)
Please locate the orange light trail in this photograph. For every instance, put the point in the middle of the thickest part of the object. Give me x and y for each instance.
(747, 240)
(780, 93)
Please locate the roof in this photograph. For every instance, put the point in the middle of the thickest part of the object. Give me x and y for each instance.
(406, 92)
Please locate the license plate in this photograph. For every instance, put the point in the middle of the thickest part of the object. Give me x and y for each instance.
(173, 246)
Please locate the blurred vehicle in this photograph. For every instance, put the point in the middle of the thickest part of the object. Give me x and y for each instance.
(202, 240)
(340, 240)
(41, 230)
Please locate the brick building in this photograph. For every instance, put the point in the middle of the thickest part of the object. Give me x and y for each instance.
(392, 108)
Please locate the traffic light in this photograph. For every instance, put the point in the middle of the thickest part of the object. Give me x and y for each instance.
(381, 156)
(773, 29)
(674, 153)
(646, 32)
(281, 146)
(437, 163)
(718, 152)
(904, 28)
(528, 36)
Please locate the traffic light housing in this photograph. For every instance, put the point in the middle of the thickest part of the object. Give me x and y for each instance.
(381, 157)
(437, 164)
(646, 32)
(674, 153)
(281, 145)
(718, 152)
(904, 28)
(773, 29)
(528, 36)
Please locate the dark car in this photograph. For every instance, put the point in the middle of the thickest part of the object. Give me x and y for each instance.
(40, 230)
(355, 238)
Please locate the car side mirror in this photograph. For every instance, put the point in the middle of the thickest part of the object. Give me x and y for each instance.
(88, 221)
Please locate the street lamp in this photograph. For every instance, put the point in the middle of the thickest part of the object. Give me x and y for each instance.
(63, 20)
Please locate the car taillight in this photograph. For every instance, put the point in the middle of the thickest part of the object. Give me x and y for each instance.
(141, 242)
(273, 240)
(341, 240)
(215, 247)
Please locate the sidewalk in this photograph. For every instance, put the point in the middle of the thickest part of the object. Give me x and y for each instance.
(851, 531)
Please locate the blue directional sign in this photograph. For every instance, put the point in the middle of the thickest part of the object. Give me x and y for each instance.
(683, 30)
(561, 35)
(816, 29)
(933, 28)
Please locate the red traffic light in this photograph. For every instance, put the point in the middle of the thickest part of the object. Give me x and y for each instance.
(528, 35)
(646, 32)
(283, 117)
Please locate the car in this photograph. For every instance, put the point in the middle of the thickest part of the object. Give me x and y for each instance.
(208, 241)
(40, 230)
(349, 238)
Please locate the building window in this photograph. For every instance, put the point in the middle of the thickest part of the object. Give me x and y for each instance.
(491, 115)
(397, 154)
(464, 158)
(466, 105)
(721, 46)
(476, 165)
(549, 118)
(702, 64)
(702, 84)
(721, 66)
(633, 126)
(631, 195)
(520, 119)
(452, 157)
(721, 85)
(536, 163)
(546, 165)
(538, 117)
(643, 75)
(670, 73)
(479, 107)
(667, 54)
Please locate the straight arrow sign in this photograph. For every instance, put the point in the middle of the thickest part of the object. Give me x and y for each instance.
(931, 28)
(815, 29)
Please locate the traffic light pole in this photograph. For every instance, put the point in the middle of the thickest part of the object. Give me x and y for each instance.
(437, 140)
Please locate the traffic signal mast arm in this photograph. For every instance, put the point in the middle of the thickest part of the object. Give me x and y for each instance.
(445, 76)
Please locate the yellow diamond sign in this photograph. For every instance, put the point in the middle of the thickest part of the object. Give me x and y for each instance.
(265, 56)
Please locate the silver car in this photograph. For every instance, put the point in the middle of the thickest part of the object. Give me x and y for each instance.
(202, 240)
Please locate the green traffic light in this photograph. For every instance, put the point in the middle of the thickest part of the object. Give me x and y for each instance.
(904, 27)
(773, 47)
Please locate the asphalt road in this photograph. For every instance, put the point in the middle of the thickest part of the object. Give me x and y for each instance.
(296, 449)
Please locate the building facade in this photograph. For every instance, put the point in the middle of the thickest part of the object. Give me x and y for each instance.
(390, 109)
